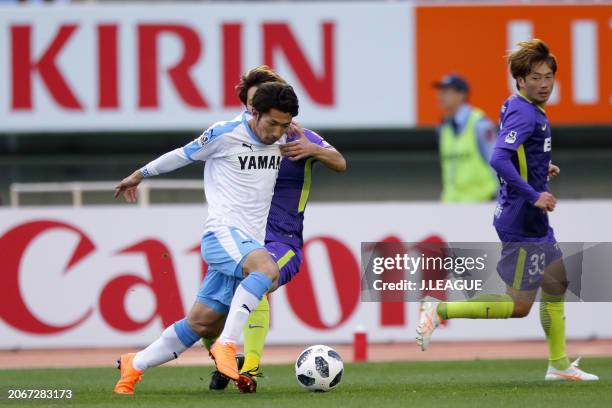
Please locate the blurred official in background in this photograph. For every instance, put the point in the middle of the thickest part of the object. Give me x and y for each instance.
(466, 139)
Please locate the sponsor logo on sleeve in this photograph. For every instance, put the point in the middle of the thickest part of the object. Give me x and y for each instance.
(511, 137)
(202, 140)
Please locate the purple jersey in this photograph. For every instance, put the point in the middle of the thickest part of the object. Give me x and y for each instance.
(524, 135)
(286, 217)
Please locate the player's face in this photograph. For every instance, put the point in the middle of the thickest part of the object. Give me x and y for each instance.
(270, 126)
(450, 99)
(538, 84)
(250, 94)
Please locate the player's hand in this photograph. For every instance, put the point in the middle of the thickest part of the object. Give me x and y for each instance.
(128, 186)
(299, 149)
(553, 170)
(546, 202)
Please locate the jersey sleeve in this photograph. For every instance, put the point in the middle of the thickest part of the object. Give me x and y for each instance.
(165, 163)
(315, 138)
(515, 128)
(501, 161)
(204, 147)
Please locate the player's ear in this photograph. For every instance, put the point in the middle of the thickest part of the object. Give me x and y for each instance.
(255, 114)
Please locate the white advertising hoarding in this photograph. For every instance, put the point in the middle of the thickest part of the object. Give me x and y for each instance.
(108, 276)
(174, 66)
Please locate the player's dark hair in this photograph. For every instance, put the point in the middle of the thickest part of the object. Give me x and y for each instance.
(276, 95)
(530, 54)
(255, 77)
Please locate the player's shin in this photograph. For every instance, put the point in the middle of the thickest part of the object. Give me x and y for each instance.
(255, 332)
(208, 343)
(553, 322)
(245, 300)
(488, 306)
(173, 341)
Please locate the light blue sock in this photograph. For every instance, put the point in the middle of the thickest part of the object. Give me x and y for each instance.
(245, 300)
(185, 333)
(257, 284)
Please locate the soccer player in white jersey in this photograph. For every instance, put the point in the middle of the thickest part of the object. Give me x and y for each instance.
(242, 161)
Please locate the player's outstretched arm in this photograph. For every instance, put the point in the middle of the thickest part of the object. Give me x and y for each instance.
(163, 164)
(128, 186)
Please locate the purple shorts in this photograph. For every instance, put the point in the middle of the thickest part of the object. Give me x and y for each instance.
(287, 258)
(524, 259)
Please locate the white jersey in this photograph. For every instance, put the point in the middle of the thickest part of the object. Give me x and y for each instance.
(239, 175)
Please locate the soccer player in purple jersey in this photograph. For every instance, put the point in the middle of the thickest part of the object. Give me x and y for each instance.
(285, 220)
(531, 257)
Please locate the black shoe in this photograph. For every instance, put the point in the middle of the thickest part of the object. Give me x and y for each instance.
(218, 381)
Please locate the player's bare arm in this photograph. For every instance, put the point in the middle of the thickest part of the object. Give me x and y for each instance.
(128, 186)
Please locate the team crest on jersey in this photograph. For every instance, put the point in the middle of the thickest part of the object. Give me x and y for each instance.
(511, 137)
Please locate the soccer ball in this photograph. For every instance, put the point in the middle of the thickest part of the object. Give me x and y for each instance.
(319, 368)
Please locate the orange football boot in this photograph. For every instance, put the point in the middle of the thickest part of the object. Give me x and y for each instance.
(129, 375)
(224, 355)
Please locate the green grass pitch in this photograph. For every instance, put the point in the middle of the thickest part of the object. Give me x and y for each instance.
(505, 383)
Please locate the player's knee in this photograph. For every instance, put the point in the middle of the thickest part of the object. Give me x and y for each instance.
(521, 309)
(200, 325)
(202, 329)
(261, 261)
(270, 269)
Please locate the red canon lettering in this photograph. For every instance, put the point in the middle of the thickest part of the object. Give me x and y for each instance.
(203, 265)
(300, 291)
(13, 245)
(163, 285)
(23, 67)
(148, 35)
(433, 246)
(392, 310)
(278, 37)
